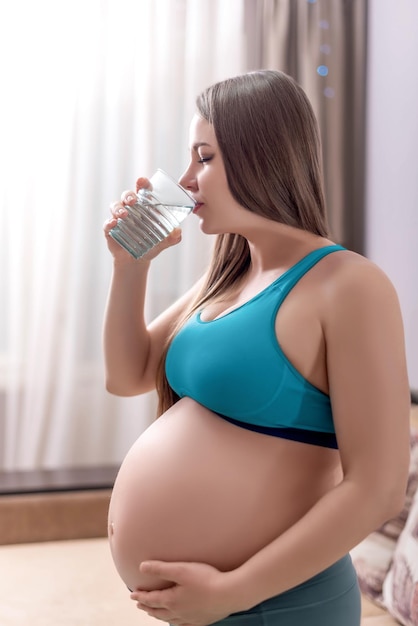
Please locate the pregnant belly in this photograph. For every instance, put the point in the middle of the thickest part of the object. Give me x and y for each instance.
(196, 488)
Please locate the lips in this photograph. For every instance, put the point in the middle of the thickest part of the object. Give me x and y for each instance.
(197, 207)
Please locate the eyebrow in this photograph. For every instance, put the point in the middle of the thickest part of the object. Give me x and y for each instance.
(199, 144)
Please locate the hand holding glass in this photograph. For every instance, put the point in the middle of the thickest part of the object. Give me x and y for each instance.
(159, 210)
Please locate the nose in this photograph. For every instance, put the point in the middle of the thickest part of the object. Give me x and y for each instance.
(188, 180)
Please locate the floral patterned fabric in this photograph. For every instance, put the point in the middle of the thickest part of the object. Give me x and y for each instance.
(400, 588)
(373, 557)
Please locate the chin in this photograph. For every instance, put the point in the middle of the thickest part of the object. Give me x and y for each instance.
(211, 229)
(207, 230)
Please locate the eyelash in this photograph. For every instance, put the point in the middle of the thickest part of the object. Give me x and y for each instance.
(204, 159)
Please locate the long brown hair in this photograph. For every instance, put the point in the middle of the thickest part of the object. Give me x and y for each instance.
(269, 140)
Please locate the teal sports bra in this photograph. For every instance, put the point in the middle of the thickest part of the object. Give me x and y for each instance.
(234, 366)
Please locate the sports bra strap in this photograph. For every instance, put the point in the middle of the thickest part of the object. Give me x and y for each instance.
(295, 273)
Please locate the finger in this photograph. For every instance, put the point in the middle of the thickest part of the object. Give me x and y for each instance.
(148, 599)
(147, 607)
(173, 572)
(175, 236)
(161, 614)
(118, 210)
(128, 197)
(158, 612)
(109, 224)
(143, 183)
(171, 240)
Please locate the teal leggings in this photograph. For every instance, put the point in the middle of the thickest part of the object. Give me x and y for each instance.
(331, 598)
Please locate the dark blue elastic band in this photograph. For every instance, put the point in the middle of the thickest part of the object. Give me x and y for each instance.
(326, 440)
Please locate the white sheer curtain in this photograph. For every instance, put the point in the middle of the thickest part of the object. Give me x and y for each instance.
(94, 93)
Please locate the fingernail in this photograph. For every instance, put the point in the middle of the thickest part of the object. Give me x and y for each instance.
(129, 198)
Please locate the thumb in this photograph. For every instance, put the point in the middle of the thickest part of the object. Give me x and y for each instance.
(173, 238)
(174, 572)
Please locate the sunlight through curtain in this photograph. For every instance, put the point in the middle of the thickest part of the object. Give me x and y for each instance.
(94, 94)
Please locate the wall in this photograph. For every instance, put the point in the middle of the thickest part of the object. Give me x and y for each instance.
(392, 159)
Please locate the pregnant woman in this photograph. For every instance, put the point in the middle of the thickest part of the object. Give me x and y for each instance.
(283, 436)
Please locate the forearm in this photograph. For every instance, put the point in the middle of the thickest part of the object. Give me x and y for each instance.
(125, 336)
(326, 533)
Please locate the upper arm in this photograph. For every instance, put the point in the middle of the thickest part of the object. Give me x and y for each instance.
(368, 380)
(160, 329)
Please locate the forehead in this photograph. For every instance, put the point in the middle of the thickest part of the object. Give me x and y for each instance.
(201, 133)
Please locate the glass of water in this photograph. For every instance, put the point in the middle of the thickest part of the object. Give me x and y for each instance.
(158, 211)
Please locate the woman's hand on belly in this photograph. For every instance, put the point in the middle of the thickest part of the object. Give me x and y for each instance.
(200, 594)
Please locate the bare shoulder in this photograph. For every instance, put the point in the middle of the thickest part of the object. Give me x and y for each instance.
(363, 328)
(366, 366)
(350, 282)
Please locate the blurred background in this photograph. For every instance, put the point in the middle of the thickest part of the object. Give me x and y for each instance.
(95, 93)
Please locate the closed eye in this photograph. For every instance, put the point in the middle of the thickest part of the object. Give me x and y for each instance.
(204, 159)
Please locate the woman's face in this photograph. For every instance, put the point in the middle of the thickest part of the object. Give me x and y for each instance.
(206, 179)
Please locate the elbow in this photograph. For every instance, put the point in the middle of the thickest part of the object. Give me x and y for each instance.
(396, 488)
(386, 486)
(125, 388)
(121, 389)
(390, 501)
(395, 504)
(118, 390)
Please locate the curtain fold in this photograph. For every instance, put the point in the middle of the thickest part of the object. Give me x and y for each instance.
(98, 93)
(322, 44)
